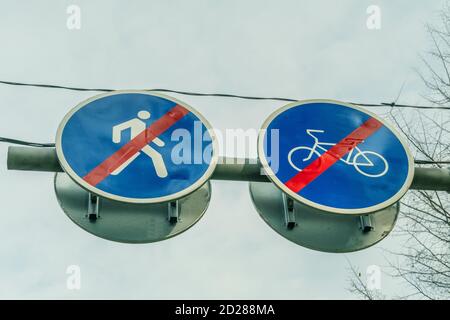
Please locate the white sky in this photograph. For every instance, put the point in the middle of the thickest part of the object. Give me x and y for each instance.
(301, 49)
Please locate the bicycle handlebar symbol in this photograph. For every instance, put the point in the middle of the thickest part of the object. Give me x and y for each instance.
(360, 159)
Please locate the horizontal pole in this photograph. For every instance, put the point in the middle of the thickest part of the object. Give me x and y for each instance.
(236, 169)
(431, 179)
(33, 159)
(239, 169)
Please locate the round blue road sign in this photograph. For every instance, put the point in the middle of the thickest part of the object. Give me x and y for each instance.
(335, 157)
(136, 147)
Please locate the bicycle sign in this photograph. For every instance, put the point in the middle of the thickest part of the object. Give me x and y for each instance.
(359, 159)
(335, 157)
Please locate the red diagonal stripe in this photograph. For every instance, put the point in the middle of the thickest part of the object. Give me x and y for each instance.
(326, 160)
(104, 169)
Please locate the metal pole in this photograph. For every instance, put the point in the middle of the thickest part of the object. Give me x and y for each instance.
(45, 159)
(33, 159)
(239, 169)
(431, 179)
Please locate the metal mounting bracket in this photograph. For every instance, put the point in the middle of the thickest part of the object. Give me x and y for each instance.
(289, 212)
(366, 223)
(93, 212)
(174, 211)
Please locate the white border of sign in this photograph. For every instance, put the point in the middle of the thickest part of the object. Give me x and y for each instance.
(271, 175)
(203, 179)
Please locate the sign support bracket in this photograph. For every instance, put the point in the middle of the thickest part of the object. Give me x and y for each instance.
(93, 212)
(289, 212)
(366, 223)
(174, 211)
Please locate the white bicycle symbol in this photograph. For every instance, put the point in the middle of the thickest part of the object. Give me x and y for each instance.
(358, 164)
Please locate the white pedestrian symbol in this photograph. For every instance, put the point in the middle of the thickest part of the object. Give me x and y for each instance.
(136, 126)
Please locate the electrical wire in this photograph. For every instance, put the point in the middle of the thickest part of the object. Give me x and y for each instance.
(27, 143)
(223, 95)
(430, 162)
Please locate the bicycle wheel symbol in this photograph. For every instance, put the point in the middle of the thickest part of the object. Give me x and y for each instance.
(303, 153)
(367, 163)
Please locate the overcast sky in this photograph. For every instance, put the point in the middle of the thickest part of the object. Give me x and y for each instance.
(300, 49)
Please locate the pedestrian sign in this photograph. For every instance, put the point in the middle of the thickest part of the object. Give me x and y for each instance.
(335, 157)
(136, 147)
